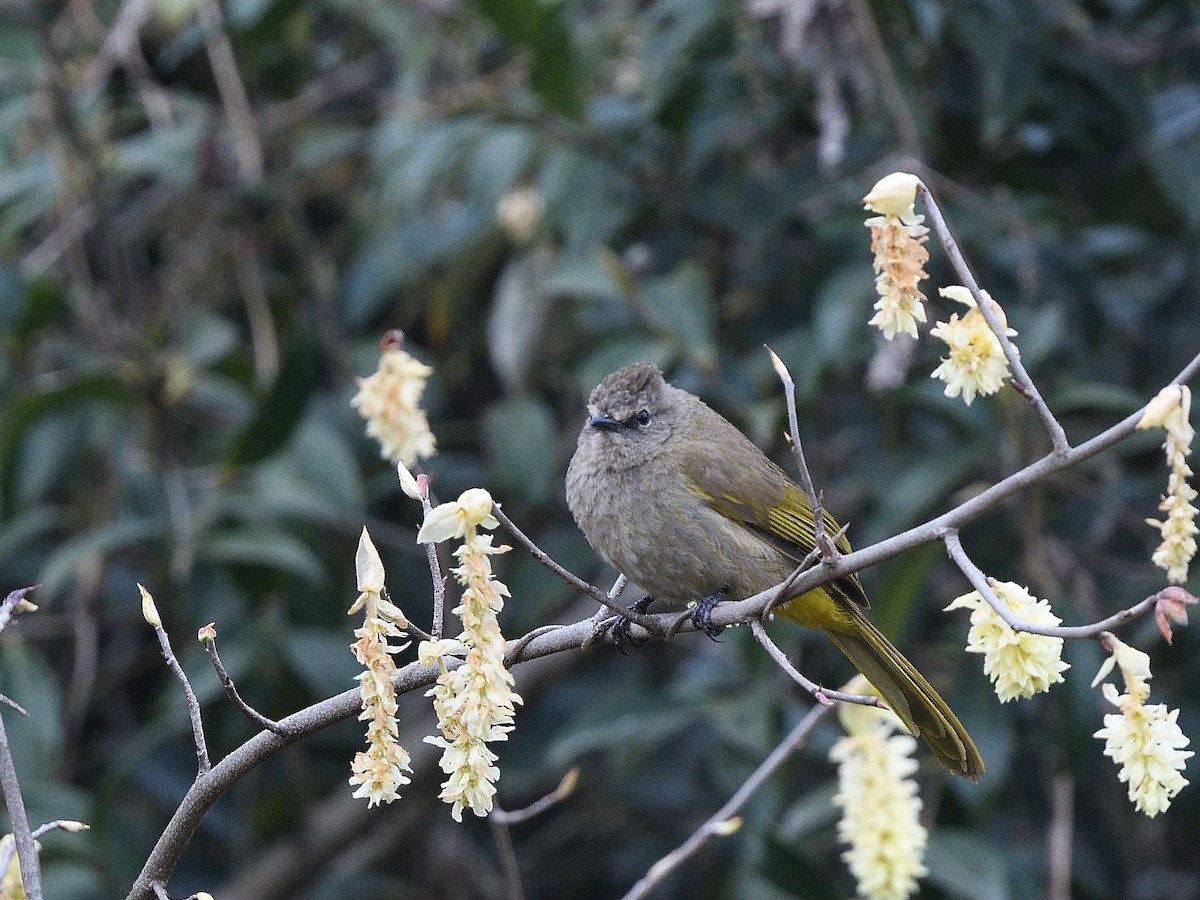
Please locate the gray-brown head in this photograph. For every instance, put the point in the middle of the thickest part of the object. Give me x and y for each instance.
(632, 415)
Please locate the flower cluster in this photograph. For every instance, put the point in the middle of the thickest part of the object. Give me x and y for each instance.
(1020, 664)
(897, 240)
(1171, 410)
(880, 807)
(474, 700)
(976, 363)
(378, 771)
(1143, 739)
(389, 401)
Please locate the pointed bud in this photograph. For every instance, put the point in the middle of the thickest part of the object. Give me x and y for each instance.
(149, 610)
(368, 566)
(70, 825)
(207, 634)
(893, 195)
(409, 484)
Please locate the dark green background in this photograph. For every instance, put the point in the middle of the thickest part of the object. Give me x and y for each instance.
(180, 345)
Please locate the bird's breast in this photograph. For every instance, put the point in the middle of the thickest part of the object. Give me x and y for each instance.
(649, 524)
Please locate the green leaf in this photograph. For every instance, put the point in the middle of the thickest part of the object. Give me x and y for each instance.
(684, 301)
(279, 410)
(88, 387)
(322, 660)
(67, 559)
(271, 550)
(966, 866)
(553, 72)
(520, 437)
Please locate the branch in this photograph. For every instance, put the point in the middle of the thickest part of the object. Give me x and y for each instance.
(435, 568)
(723, 821)
(208, 637)
(1021, 379)
(570, 578)
(247, 146)
(824, 696)
(827, 547)
(31, 876)
(982, 583)
(150, 613)
(565, 788)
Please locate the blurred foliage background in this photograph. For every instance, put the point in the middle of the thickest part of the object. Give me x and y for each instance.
(210, 213)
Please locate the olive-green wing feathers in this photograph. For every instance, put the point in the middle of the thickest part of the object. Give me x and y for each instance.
(756, 493)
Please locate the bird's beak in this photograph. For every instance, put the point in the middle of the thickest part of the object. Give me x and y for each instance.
(603, 422)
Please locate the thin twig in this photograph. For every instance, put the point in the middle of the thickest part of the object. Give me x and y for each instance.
(435, 568)
(13, 704)
(1058, 841)
(247, 146)
(1021, 378)
(723, 821)
(513, 889)
(784, 592)
(574, 580)
(820, 539)
(231, 691)
(31, 877)
(160, 891)
(565, 788)
(982, 584)
(6, 854)
(825, 696)
(193, 704)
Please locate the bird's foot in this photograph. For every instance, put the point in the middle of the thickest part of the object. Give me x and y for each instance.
(702, 614)
(621, 634)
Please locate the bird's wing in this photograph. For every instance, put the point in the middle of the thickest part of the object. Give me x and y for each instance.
(768, 502)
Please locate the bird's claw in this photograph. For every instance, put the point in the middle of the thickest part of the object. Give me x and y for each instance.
(621, 635)
(702, 615)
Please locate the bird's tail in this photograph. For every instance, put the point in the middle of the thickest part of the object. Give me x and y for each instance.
(904, 689)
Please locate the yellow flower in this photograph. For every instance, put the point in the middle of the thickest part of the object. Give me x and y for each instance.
(897, 241)
(880, 807)
(474, 700)
(389, 401)
(1171, 411)
(1019, 664)
(1143, 739)
(378, 771)
(976, 364)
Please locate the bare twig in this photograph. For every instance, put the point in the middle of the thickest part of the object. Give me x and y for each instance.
(150, 613)
(825, 696)
(435, 567)
(827, 547)
(1021, 379)
(209, 640)
(8, 850)
(565, 788)
(1058, 849)
(13, 704)
(247, 146)
(574, 580)
(982, 583)
(31, 876)
(784, 592)
(724, 821)
(513, 890)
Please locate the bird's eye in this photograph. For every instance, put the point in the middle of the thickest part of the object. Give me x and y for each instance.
(643, 418)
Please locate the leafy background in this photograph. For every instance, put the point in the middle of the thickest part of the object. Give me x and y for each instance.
(189, 285)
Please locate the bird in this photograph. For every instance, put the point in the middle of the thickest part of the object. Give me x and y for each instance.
(675, 497)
